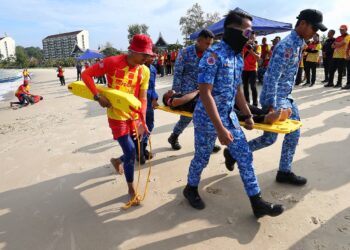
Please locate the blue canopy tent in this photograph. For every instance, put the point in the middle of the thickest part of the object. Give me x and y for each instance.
(90, 54)
(261, 26)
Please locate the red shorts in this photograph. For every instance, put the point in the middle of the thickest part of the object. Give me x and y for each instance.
(121, 128)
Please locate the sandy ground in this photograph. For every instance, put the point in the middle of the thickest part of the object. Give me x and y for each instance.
(58, 190)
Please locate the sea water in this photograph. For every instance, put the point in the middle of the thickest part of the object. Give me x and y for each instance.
(8, 86)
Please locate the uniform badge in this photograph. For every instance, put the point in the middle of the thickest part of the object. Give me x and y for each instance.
(211, 60)
(288, 52)
(101, 65)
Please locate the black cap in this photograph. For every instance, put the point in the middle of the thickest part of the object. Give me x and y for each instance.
(314, 17)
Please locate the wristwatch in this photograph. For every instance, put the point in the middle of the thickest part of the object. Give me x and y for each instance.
(97, 97)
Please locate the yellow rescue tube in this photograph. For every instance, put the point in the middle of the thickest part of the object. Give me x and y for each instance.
(119, 99)
(285, 127)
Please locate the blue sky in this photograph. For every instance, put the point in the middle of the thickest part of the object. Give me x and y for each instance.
(28, 22)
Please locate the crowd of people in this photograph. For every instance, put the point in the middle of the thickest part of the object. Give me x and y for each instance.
(164, 61)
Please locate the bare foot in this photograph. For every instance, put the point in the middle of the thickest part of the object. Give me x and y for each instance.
(286, 113)
(273, 117)
(118, 165)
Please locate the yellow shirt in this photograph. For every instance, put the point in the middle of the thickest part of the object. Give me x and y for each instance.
(341, 52)
(314, 57)
(127, 83)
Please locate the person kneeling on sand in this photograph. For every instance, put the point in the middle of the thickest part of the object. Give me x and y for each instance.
(24, 97)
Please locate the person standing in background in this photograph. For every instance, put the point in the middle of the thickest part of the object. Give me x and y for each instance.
(327, 54)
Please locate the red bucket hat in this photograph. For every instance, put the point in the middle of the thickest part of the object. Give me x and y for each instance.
(141, 44)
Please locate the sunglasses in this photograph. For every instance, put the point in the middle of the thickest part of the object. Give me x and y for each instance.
(246, 32)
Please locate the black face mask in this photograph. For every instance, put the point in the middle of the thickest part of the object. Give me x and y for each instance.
(235, 39)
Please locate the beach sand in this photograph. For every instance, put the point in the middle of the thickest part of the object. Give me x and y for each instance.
(58, 190)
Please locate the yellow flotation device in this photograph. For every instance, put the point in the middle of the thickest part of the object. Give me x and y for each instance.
(285, 127)
(119, 99)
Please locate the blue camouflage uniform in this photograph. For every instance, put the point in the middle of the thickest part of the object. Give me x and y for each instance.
(185, 80)
(276, 92)
(151, 95)
(221, 67)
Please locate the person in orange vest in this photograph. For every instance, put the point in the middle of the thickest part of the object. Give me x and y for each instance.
(125, 73)
(60, 75)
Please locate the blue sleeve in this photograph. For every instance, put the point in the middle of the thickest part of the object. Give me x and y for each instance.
(151, 92)
(273, 74)
(178, 71)
(208, 67)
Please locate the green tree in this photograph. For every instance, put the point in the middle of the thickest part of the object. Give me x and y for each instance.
(35, 52)
(134, 29)
(69, 62)
(22, 59)
(194, 20)
(175, 46)
(110, 51)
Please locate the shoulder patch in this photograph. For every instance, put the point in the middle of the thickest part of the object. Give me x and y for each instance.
(211, 60)
(288, 53)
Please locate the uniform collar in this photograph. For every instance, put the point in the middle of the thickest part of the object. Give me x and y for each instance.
(228, 48)
(296, 38)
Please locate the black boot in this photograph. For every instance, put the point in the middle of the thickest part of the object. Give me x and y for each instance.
(142, 159)
(174, 142)
(191, 194)
(229, 161)
(338, 85)
(147, 154)
(291, 178)
(329, 85)
(262, 208)
(347, 86)
(216, 149)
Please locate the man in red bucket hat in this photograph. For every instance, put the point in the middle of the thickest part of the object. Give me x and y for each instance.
(126, 73)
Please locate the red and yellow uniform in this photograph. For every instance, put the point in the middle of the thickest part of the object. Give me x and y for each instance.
(341, 51)
(122, 77)
(250, 62)
(314, 57)
(173, 56)
(265, 55)
(161, 60)
(22, 89)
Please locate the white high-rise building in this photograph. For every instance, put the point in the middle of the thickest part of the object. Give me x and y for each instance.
(7, 47)
(62, 45)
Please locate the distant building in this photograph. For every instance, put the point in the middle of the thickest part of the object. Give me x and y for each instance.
(161, 43)
(65, 45)
(7, 47)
